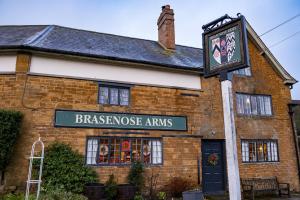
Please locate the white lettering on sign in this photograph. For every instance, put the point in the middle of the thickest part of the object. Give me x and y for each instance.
(122, 120)
(78, 119)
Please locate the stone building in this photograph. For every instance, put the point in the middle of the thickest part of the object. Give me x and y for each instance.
(118, 99)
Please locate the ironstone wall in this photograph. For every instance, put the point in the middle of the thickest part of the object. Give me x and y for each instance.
(38, 97)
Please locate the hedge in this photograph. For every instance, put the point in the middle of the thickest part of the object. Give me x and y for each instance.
(10, 123)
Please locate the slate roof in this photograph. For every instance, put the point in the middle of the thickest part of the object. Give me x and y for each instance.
(71, 41)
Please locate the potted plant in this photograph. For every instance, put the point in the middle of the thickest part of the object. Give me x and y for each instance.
(94, 191)
(111, 188)
(135, 180)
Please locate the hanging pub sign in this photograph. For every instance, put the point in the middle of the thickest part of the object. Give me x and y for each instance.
(93, 119)
(225, 45)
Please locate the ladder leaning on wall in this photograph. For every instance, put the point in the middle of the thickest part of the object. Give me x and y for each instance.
(39, 180)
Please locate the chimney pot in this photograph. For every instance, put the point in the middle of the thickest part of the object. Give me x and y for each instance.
(166, 33)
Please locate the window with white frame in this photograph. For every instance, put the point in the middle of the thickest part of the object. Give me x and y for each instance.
(259, 151)
(119, 151)
(114, 95)
(248, 104)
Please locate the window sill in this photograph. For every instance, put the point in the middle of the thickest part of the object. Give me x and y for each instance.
(122, 165)
(114, 105)
(255, 116)
(261, 163)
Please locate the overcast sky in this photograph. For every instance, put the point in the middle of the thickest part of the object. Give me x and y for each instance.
(137, 18)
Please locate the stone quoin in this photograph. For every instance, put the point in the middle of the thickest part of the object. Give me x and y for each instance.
(147, 94)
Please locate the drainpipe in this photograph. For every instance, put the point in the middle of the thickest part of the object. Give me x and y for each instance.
(291, 113)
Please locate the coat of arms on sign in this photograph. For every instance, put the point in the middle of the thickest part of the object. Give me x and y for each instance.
(223, 47)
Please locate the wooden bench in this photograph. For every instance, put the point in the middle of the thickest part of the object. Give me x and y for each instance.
(254, 186)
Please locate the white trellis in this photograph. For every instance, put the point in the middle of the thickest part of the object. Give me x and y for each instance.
(39, 180)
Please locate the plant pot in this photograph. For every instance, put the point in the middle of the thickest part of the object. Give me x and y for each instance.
(126, 191)
(94, 191)
(193, 195)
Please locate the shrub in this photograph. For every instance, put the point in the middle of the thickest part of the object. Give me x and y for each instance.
(138, 197)
(136, 176)
(61, 195)
(10, 123)
(64, 169)
(177, 185)
(161, 196)
(50, 195)
(111, 188)
(17, 197)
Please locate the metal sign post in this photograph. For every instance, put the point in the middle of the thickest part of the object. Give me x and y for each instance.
(230, 138)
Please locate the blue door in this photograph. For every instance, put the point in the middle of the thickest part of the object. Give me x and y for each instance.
(213, 167)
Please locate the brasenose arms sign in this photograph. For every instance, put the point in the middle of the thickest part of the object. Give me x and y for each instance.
(87, 119)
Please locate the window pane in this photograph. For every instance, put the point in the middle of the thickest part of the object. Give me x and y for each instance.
(247, 71)
(114, 96)
(245, 152)
(124, 97)
(265, 151)
(253, 105)
(156, 153)
(269, 151)
(261, 105)
(103, 95)
(274, 151)
(268, 108)
(247, 104)
(115, 151)
(147, 151)
(91, 151)
(252, 152)
(260, 151)
(103, 150)
(136, 149)
(243, 72)
(240, 107)
(125, 151)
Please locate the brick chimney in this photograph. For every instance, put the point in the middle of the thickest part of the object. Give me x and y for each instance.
(165, 23)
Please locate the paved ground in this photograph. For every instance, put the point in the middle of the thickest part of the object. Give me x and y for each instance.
(294, 197)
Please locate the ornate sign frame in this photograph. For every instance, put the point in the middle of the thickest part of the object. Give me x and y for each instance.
(216, 28)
